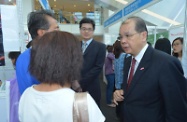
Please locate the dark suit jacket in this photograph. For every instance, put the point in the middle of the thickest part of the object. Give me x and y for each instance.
(157, 92)
(94, 57)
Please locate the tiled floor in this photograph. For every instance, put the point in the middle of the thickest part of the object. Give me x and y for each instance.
(108, 112)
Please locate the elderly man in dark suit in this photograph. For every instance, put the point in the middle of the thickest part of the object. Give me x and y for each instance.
(94, 55)
(154, 88)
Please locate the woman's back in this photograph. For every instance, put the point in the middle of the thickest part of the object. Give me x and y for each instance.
(53, 106)
(118, 69)
(56, 61)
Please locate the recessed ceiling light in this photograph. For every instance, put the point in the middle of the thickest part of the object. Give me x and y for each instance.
(88, 4)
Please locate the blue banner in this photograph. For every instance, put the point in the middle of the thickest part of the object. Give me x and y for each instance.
(45, 4)
(135, 5)
(113, 19)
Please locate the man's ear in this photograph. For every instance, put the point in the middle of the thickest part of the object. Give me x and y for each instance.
(144, 35)
(40, 32)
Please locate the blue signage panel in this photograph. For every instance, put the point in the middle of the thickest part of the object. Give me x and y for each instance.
(45, 4)
(113, 19)
(135, 5)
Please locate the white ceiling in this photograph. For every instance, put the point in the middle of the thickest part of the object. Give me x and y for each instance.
(170, 9)
(175, 11)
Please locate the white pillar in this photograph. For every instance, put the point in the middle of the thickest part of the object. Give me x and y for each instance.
(155, 30)
(24, 8)
(184, 55)
(28, 6)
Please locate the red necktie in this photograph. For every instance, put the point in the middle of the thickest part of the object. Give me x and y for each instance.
(131, 72)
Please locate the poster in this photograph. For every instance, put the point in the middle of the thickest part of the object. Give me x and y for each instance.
(2, 59)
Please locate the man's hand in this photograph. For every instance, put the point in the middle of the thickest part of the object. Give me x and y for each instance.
(76, 86)
(118, 96)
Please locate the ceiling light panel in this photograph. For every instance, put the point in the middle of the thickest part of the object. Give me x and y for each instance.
(122, 1)
(160, 17)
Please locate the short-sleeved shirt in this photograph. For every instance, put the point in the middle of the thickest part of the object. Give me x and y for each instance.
(53, 106)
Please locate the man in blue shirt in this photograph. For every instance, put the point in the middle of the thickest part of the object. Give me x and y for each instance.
(39, 23)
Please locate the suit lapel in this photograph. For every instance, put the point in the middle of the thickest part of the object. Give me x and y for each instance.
(141, 69)
(89, 47)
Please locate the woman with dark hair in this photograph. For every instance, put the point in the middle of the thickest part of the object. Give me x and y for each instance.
(177, 46)
(163, 44)
(13, 55)
(118, 64)
(56, 61)
(118, 68)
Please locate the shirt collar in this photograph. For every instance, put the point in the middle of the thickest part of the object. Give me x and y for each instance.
(141, 53)
(87, 42)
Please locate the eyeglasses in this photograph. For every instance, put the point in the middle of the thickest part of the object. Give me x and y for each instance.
(126, 36)
(87, 29)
